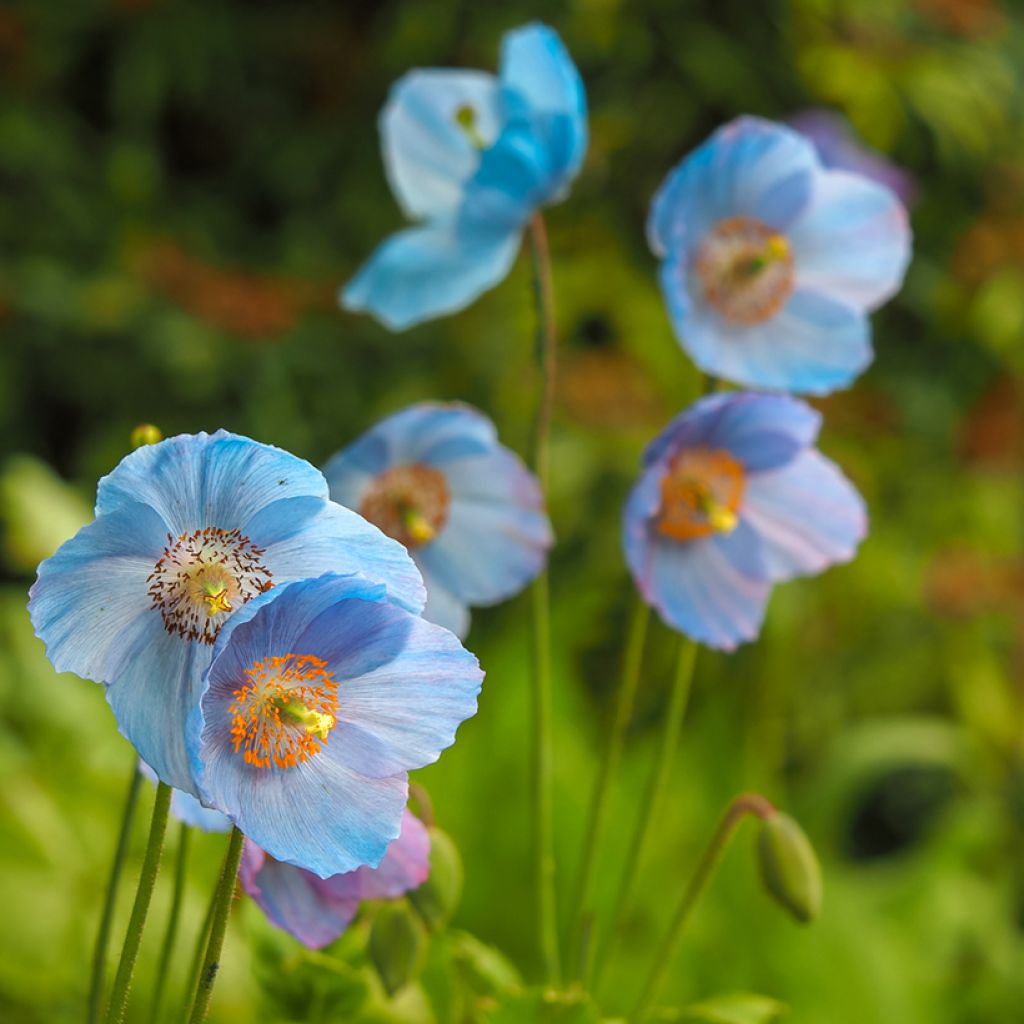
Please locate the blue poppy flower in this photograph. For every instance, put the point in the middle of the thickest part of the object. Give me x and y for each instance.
(733, 498)
(471, 156)
(321, 696)
(185, 807)
(436, 478)
(317, 910)
(187, 531)
(771, 263)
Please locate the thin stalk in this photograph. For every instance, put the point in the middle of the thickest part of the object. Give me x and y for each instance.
(624, 699)
(99, 955)
(218, 927)
(653, 795)
(202, 940)
(167, 950)
(741, 806)
(144, 894)
(543, 852)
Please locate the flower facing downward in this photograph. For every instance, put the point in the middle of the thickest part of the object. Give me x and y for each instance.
(771, 263)
(320, 697)
(732, 499)
(472, 516)
(471, 156)
(189, 531)
(317, 910)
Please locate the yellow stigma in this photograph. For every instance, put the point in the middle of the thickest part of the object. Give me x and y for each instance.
(776, 248)
(720, 517)
(316, 723)
(417, 526)
(465, 118)
(216, 597)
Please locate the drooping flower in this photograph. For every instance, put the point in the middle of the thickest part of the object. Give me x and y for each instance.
(771, 263)
(471, 157)
(840, 149)
(188, 531)
(321, 696)
(734, 498)
(185, 807)
(436, 478)
(317, 910)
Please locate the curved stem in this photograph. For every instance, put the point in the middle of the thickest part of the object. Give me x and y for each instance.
(743, 805)
(137, 922)
(543, 853)
(221, 907)
(99, 954)
(653, 794)
(624, 700)
(173, 918)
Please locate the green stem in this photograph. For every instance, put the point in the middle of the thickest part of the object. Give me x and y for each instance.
(653, 795)
(99, 955)
(743, 805)
(167, 950)
(202, 940)
(625, 696)
(137, 922)
(543, 852)
(218, 927)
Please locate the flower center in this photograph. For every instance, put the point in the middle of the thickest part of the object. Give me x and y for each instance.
(409, 503)
(700, 494)
(284, 711)
(202, 577)
(745, 270)
(466, 119)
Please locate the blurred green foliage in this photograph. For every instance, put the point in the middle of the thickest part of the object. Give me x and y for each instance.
(186, 184)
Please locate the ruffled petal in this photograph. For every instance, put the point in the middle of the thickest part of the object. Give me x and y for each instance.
(541, 85)
(428, 154)
(431, 271)
(405, 866)
(198, 480)
(750, 167)
(808, 515)
(306, 537)
(852, 243)
(90, 604)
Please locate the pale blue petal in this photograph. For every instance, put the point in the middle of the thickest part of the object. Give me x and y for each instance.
(749, 168)
(188, 809)
(306, 537)
(852, 243)
(426, 272)
(405, 866)
(443, 608)
(808, 515)
(744, 550)
(198, 480)
(428, 155)
(90, 604)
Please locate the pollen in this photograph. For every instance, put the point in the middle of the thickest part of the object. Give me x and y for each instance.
(745, 270)
(202, 577)
(409, 503)
(700, 494)
(284, 712)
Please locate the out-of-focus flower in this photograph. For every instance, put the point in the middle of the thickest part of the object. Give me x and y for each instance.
(840, 149)
(732, 499)
(771, 263)
(436, 478)
(185, 807)
(321, 695)
(188, 531)
(317, 910)
(471, 156)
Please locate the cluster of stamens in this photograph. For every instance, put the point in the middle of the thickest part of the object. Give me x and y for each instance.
(202, 577)
(409, 503)
(284, 711)
(745, 269)
(700, 494)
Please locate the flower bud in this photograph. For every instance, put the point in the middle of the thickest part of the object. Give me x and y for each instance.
(145, 433)
(398, 944)
(789, 867)
(436, 899)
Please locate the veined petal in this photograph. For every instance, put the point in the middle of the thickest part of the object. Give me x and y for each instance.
(405, 866)
(808, 515)
(430, 271)
(90, 604)
(852, 242)
(428, 154)
(199, 480)
(749, 167)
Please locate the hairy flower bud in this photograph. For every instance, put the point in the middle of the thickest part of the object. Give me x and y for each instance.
(397, 945)
(789, 867)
